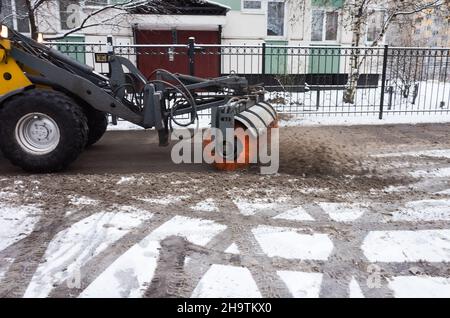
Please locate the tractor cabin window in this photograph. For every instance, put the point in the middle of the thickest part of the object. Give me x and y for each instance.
(324, 25)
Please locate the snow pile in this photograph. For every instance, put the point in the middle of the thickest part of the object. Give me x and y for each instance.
(16, 223)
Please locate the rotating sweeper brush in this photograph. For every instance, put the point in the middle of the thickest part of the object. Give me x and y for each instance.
(52, 107)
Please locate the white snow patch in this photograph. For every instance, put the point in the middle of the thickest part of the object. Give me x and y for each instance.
(407, 246)
(431, 94)
(71, 248)
(394, 189)
(296, 214)
(124, 125)
(207, 205)
(251, 207)
(16, 223)
(420, 287)
(344, 212)
(433, 173)
(233, 249)
(7, 195)
(445, 192)
(313, 190)
(352, 120)
(81, 200)
(426, 210)
(302, 285)
(224, 281)
(169, 199)
(287, 243)
(4, 266)
(355, 289)
(435, 153)
(133, 270)
(126, 180)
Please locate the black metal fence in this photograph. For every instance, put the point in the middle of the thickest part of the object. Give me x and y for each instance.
(308, 81)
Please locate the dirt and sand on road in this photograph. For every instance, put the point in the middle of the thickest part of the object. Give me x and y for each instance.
(124, 203)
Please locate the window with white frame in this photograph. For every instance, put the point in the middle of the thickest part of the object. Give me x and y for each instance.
(14, 14)
(253, 5)
(275, 17)
(324, 25)
(375, 25)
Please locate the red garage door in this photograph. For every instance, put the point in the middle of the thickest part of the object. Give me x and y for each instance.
(206, 65)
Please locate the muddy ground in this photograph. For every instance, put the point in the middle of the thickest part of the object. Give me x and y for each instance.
(317, 165)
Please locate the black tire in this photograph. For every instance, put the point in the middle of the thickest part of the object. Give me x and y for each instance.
(71, 124)
(97, 123)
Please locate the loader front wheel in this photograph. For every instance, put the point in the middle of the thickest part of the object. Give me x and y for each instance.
(42, 131)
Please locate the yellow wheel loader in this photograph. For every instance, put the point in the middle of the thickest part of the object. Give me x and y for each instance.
(52, 107)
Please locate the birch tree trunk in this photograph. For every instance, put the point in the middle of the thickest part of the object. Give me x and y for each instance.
(357, 30)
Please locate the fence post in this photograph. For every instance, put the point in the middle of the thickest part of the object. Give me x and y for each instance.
(263, 54)
(383, 80)
(191, 56)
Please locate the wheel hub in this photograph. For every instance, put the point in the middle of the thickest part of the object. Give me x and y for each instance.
(37, 133)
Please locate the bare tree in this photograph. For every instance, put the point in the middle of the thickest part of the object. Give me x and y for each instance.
(95, 13)
(360, 13)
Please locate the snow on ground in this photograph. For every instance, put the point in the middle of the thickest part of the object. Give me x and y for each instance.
(354, 289)
(16, 223)
(436, 153)
(128, 275)
(302, 285)
(436, 173)
(309, 244)
(352, 120)
(431, 106)
(224, 281)
(444, 192)
(124, 125)
(164, 200)
(407, 246)
(71, 248)
(4, 266)
(251, 207)
(7, 195)
(394, 189)
(288, 243)
(424, 210)
(208, 205)
(420, 287)
(82, 200)
(126, 180)
(233, 249)
(295, 214)
(344, 212)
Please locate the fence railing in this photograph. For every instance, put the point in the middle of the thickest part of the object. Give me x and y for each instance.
(309, 81)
